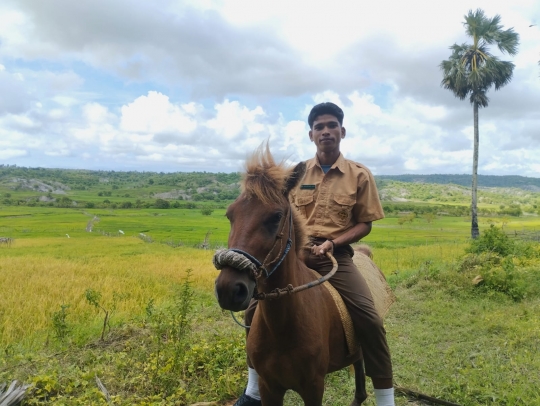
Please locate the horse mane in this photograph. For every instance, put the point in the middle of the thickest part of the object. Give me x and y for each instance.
(266, 180)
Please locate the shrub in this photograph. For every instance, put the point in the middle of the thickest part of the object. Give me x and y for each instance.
(471, 262)
(492, 240)
(206, 211)
(505, 279)
(161, 204)
(59, 323)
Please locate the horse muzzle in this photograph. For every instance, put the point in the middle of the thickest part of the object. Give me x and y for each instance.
(234, 289)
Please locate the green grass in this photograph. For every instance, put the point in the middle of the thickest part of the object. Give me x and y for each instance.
(186, 225)
(472, 345)
(191, 227)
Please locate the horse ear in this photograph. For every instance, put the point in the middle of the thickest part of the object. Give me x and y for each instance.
(296, 174)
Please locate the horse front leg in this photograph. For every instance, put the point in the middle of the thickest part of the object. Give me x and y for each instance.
(360, 393)
(312, 394)
(271, 394)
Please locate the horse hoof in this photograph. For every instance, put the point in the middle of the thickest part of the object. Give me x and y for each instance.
(358, 402)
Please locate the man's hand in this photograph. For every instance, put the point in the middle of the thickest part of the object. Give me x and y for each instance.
(321, 250)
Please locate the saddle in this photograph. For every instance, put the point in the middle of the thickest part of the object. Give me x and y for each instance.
(382, 294)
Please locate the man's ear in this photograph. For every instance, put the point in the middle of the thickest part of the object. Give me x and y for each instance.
(294, 177)
(311, 135)
(343, 132)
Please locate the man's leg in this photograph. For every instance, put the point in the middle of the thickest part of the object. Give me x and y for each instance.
(251, 395)
(368, 325)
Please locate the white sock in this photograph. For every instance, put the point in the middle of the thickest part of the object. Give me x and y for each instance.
(252, 389)
(384, 397)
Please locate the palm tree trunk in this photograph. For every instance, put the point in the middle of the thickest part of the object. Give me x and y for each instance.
(474, 209)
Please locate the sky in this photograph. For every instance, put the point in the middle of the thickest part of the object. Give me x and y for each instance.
(197, 85)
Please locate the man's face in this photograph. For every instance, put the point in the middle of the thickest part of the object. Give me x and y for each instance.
(327, 133)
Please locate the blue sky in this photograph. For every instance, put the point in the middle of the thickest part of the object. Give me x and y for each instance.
(199, 84)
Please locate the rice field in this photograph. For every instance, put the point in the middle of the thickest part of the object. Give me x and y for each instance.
(53, 260)
(39, 275)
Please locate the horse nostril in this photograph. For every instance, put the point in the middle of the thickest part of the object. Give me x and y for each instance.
(240, 293)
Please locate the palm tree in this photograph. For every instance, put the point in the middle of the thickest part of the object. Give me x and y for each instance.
(472, 70)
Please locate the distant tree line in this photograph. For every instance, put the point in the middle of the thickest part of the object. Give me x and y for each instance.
(505, 181)
(80, 179)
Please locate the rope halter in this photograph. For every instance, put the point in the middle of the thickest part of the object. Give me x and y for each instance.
(242, 260)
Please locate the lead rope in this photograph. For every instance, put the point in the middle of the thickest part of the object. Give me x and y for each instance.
(290, 290)
(237, 322)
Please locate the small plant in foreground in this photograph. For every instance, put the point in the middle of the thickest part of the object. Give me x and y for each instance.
(171, 327)
(93, 297)
(59, 323)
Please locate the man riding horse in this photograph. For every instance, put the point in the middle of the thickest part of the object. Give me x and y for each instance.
(338, 200)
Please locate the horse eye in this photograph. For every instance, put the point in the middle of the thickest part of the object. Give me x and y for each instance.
(274, 218)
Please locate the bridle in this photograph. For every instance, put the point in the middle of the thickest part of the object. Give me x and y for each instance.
(261, 268)
(244, 261)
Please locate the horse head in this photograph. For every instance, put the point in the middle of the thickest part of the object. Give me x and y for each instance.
(261, 231)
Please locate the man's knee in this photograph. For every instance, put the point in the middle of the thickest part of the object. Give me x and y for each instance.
(365, 319)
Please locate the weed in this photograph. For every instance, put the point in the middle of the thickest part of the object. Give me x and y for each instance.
(59, 323)
(171, 328)
(93, 297)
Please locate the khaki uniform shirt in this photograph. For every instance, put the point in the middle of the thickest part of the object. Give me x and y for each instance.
(335, 202)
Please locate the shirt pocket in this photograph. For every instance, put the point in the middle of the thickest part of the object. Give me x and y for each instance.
(341, 206)
(302, 200)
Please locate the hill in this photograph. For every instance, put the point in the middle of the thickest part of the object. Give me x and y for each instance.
(507, 195)
(507, 181)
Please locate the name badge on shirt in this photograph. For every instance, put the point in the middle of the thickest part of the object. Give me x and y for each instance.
(307, 187)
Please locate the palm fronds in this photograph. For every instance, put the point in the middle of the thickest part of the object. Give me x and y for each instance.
(471, 69)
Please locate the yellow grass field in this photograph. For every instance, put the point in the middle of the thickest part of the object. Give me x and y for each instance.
(39, 275)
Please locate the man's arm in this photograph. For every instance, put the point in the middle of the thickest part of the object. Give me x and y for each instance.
(352, 235)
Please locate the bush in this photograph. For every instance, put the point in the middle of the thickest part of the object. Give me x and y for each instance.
(505, 279)
(206, 211)
(161, 204)
(492, 240)
(472, 262)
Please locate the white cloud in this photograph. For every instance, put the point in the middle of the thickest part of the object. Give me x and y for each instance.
(233, 120)
(154, 114)
(197, 85)
(12, 153)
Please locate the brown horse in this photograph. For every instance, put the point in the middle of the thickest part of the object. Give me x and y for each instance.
(296, 339)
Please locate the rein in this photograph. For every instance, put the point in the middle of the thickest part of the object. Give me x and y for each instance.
(289, 290)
